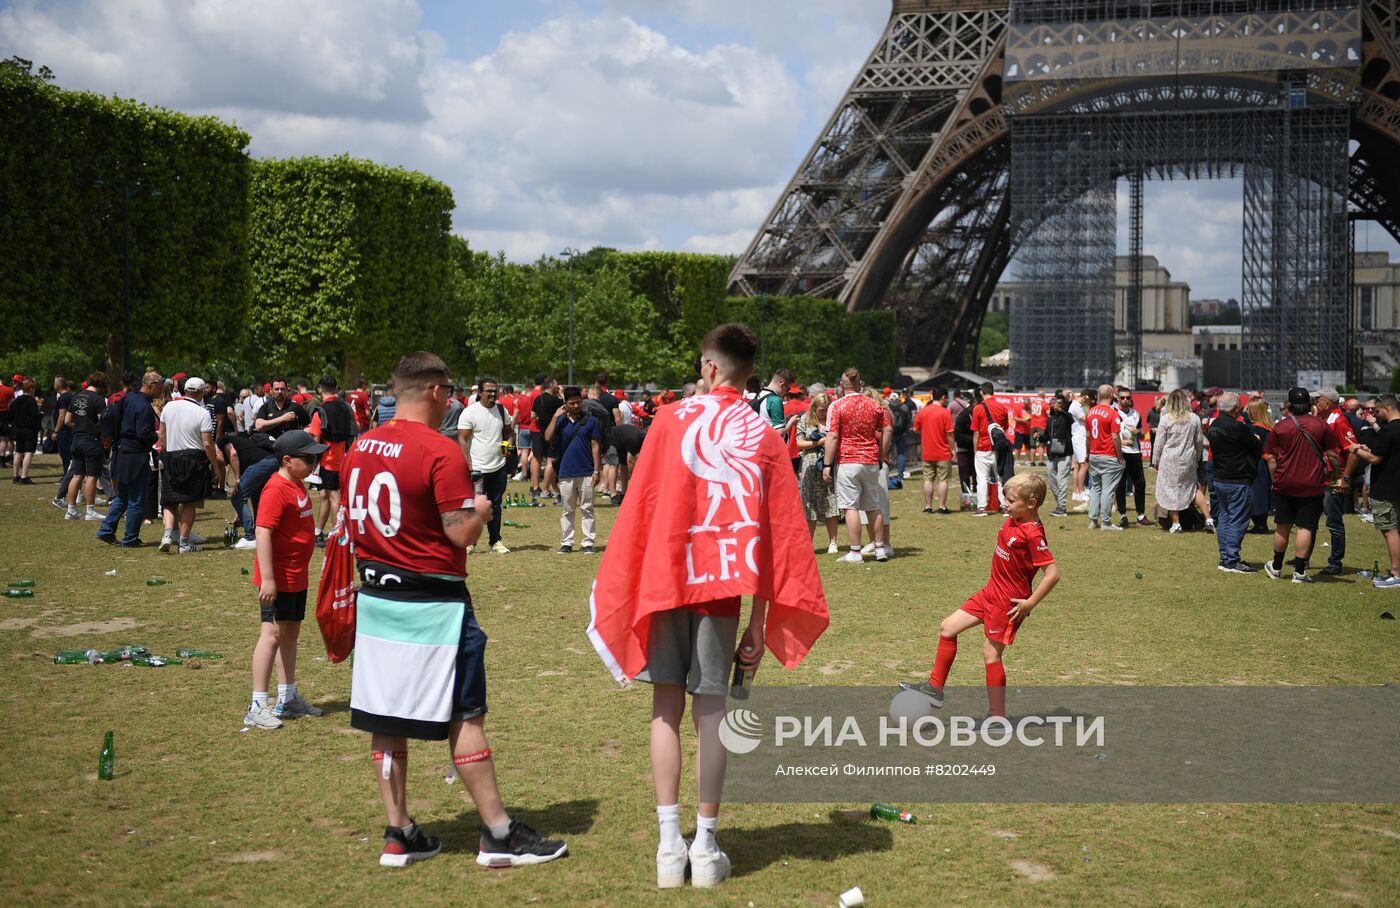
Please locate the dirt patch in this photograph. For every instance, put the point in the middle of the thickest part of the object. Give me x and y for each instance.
(87, 628)
(1388, 833)
(17, 624)
(255, 857)
(1035, 873)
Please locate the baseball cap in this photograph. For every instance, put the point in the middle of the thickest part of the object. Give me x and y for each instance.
(1215, 392)
(1299, 397)
(1330, 393)
(297, 441)
(17, 377)
(178, 375)
(620, 394)
(194, 385)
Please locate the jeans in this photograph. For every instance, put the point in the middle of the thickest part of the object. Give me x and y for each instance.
(243, 510)
(1332, 507)
(65, 446)
(131, 501)
(1213, 498)
(577, 492)
(986, 464)
(1058, 473)
(1236, 499)
(899, 445)
(1132, 471)
(1106, 472)
(250, 486)
(493, 486)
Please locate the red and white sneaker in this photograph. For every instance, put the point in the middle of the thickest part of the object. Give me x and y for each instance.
(407, 846)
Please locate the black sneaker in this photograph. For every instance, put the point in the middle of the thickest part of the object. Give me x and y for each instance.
(588, 550)
(935, 694)
(1239, 567)
(407, 846)
(566, 550)
(521, 846)
(944, 511)
(1332, 570)
(928, 510)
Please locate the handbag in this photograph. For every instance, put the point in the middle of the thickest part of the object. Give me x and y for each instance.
(1000, 442)
(1058, 448)
(335, 596)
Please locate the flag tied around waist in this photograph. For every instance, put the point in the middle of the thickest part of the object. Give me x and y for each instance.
(712, 512)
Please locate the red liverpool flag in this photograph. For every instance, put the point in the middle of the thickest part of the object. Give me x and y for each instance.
(712, 512)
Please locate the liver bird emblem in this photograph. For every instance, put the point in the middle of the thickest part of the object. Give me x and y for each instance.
(720, 446)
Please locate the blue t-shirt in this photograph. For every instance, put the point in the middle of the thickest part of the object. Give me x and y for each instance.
(575, 441)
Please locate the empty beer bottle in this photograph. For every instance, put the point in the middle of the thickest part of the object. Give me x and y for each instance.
(187, 653)
(77, 657)
(17, 594)
(107, 761)
(156, 581)
(21, 583)
(886, 812)
(154, 661)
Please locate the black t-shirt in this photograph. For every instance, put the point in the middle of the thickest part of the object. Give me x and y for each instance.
(1385, 476)
(64, 401)
(24, 412)
(270, 410)
(249, 451)
(544, 407)
(86, 407)
(217, 405)
(628, 440)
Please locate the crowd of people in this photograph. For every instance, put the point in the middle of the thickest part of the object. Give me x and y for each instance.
(423, 468)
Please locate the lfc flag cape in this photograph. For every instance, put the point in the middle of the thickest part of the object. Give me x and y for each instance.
(712, 512)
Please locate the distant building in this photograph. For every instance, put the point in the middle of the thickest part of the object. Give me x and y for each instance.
(1166, 304)
(1375, 302)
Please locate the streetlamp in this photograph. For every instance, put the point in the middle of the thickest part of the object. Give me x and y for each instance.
(129, 191)
(569, 253)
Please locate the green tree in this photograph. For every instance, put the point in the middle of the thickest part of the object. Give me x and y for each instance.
(996, 334)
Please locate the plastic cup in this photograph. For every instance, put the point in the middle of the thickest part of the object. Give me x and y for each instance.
(852, 897)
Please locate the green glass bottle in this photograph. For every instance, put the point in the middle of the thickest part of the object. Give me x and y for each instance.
(156, 581)
(77, 657)
(187, 653)
(894, 814)
(17, 594)
(154, 661)
(21, 583)
(107, 762)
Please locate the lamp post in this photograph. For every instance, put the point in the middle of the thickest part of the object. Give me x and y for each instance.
(569, 253)
(129, 191)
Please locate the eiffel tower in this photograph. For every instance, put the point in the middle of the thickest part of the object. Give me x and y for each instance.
(961, 144)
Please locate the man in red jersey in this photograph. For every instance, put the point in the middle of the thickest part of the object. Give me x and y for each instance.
(1302, 454)
(1327, 406)
(858, 438)
(526, 427)
(935, 427)
(1102, 424)
(419, 671)
(986, 412)
(1040, 424)
(359, 400)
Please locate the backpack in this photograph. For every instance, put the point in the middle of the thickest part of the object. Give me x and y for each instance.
(1000, 442)
(109, 423)
(337, 421)
(902, 420)
(759, 398)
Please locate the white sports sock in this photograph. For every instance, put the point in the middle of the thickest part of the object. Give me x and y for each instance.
(669, 816)
(705, 833)
(501, 831)
(259, 698)
(286, 692)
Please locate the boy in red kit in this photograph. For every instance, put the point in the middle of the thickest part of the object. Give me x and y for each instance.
(1006, 600)
(285, 539)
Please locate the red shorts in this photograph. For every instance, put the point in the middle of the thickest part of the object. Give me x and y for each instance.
(996, 623)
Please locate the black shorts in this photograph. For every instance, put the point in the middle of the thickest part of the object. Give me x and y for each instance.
(330, 480)
(88, 457)
(286, 607)
(26, 441)
(538, 445)
(5, 424)
(1022, 442)
(1295, 510)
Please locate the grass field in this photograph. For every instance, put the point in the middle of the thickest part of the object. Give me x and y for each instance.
(202, 813)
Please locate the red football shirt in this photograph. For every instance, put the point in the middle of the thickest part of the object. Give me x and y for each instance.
(1341, 430)
(359, 400)
(1022, 420)
(1040, 417)
(934, 423)
(1021, 550)
(7, 396)
(398, 480)
(859, 421)
(285, 509)
(980, 425)
(1102, 424)
(525, 410)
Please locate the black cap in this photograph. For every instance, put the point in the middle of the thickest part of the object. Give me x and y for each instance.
(297, 441)
(1299, 397)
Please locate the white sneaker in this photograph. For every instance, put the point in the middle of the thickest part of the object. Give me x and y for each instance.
(833, 549)
(196, 539)
(670, 866)
(188, 547)
(244, 543)
(500, 549)
(168, 543)
(261, 717)
(883, 552)
(1112, 527)
(295, 708)
(868, 549)
(850, 558)
(93, 515)
(1176, 528)
(72, 514)
(708, 868)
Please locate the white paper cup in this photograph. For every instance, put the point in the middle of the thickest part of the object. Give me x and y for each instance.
(852, 897)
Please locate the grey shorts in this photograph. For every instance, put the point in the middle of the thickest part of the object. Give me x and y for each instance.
(610, 456)
(858, 486)
(691, 650)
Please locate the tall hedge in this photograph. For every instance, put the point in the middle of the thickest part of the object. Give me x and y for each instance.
(351, 265)
(66, 161)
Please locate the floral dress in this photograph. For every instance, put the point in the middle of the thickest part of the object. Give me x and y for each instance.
(818, 496)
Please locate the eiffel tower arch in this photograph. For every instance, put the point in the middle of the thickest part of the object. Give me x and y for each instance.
(940, 163)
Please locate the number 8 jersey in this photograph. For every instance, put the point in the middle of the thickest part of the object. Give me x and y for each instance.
(398, 480)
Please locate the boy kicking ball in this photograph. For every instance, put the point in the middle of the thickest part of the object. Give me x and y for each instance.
(1006, 600)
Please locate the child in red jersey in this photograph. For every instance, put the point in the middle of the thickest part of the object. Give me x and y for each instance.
(285, 539)
(1006, 600)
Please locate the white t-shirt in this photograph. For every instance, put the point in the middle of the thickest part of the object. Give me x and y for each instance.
(251, 406)
(625, 407)
(183, 420)
(1129, 422)
(1076, 410)
(488, 427)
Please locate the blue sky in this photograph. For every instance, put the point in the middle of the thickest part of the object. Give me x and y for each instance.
(638, 124)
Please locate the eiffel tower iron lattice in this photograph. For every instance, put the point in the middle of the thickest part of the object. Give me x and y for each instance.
(905, 200)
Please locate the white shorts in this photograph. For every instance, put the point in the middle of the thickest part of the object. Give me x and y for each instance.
(884, 493)
(1081, 449)
(857, 486)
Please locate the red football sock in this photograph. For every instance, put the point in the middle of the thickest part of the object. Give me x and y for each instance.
(947, 652)
(996, 689)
